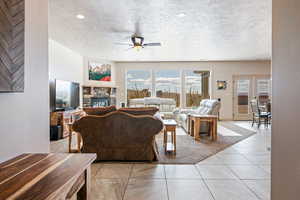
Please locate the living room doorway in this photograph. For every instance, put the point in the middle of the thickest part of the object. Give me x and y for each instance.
(246, 88)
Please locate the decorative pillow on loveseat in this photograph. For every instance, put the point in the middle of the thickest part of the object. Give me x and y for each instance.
(100, 110)
(140, 111)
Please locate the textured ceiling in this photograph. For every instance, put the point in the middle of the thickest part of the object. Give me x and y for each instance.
(210, 29)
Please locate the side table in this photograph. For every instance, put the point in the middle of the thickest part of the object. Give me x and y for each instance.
(79, 140)
(194, 124)
(170, 126)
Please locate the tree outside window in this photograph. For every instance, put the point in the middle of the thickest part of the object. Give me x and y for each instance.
(196, 87)
(138, 84)
(167, 84)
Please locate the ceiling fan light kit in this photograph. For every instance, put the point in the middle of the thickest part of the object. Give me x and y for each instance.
(138, 48)
(138, 43)
(80, 16)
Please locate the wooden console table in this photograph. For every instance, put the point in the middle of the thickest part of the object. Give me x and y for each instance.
(194, 124)
(46, 176)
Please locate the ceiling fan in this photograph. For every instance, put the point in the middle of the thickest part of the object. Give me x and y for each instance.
(138, 43)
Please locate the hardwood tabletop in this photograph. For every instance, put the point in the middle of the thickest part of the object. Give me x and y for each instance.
(41, 176)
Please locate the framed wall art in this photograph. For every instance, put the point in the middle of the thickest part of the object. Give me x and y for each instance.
(99, 71)
(12, 53)
(221, 85)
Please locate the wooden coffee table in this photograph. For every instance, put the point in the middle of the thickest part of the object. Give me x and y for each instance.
(170, 126)
(194, 124)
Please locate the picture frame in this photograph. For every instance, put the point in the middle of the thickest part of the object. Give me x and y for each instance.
(221, 85)
(99, 72)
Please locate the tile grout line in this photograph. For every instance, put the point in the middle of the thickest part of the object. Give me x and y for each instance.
(211, 193)
(166, 182)
(260, 166)
(203, 180)
(242, 180)
(228, 166)
(258, 197)
(128, 179)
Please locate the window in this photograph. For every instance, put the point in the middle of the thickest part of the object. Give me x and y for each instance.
(193, 90)
(196, 87)
(167, 84)
(191, 86)
(138, 84)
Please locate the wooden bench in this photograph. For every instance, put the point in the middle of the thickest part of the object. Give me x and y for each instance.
(46, 176)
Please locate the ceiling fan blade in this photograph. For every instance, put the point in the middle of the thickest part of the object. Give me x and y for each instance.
(153, 44)
(124, 44)
(115, 30)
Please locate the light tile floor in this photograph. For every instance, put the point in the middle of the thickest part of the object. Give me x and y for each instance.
(240, 172)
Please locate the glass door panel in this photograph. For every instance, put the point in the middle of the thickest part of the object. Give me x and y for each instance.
(263, 91)
(246, 88)
(242, 96)
(243, 89)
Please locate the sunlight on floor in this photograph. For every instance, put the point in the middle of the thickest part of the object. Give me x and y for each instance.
(226, 132)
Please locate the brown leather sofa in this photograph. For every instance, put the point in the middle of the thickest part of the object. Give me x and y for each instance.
(119, 136)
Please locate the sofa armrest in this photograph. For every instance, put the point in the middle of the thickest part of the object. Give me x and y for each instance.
(176, 111)
(183, 111)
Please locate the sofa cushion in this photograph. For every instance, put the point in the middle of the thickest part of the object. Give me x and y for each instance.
(140, 111)
(183, 117)
(208, 107)
(100, 110)
(158, 116)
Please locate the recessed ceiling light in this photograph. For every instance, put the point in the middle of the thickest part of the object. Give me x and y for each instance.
(79, 16)
(181, 15)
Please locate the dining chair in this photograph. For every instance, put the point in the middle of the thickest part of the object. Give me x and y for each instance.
(258, 115)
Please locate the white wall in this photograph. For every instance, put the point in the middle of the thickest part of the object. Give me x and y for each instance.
(220, 71)
(24, 117)
(225, 71)
(286, 98)
(65, 64)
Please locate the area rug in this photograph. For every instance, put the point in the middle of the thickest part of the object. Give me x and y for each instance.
(190, 151)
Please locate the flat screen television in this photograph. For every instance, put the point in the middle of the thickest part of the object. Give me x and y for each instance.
(64, 95)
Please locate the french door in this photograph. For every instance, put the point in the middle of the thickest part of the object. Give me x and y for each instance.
(246, 88)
